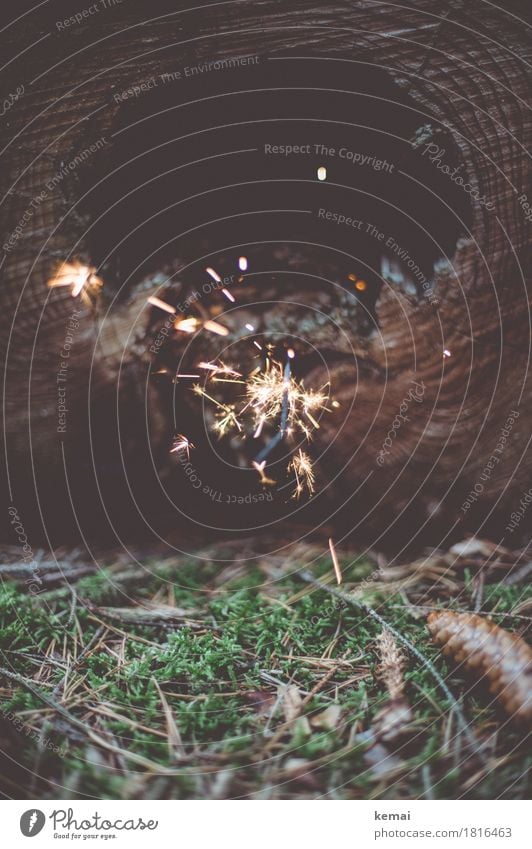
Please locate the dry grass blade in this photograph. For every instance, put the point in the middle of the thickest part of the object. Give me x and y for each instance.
(175, 743)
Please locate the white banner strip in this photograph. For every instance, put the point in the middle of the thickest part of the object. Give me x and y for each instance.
(262, 825)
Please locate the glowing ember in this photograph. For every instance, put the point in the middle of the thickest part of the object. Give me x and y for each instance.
(243, 263)
(322, 173)
(76, 275)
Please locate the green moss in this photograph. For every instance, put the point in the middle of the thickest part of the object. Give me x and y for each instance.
(220, 685)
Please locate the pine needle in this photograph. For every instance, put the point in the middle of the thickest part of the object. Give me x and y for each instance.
(309, 578)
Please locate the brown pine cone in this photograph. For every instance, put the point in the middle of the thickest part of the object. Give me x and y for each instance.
(491, 653)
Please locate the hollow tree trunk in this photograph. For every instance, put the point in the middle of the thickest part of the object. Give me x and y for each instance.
(466, 67)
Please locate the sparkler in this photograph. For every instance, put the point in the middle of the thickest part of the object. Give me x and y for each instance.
(271, 398)
(270, 395)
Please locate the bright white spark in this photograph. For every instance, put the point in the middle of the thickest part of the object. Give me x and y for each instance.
(260, 425)
(219, 368)
(156, 302)
(228, 295)
(249, 327)
(215, 276)
(446, 353)
(181, 445)
(187, 325)
(322, 173)
(243, 263)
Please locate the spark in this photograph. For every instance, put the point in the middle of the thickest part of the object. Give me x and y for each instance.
(190, 325)
(181, 444)
(214, 327)
(264, 479)
(227, 419)
(187, 325)
(260, 425)
(249, 327)
(221, 368)
(257, 345)
(228, 295)
(446, 353)
(243, 263)
(337, 570)
(199, 390)
(162, 305)
(76, 275)
(214, 274)
(301, 465)
(187, 376)
(322, 173)
(312, 420)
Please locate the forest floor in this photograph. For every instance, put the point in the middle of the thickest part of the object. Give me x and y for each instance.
(187, 678)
